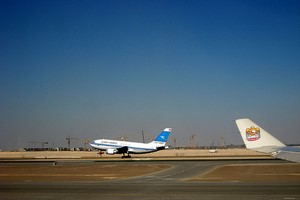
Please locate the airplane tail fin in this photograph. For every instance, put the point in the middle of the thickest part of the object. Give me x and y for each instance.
(256, 137)
(163, 136)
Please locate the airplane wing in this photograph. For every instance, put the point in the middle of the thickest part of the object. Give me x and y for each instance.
(257, 139)
(122, 149)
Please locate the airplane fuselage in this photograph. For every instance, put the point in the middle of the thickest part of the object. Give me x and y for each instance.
(133, 147)
(124, 147)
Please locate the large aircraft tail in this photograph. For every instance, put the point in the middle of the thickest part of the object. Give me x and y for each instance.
(257, 138)
(163, 136)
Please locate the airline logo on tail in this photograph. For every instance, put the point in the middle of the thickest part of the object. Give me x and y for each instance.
(252, 133)
(163, 137)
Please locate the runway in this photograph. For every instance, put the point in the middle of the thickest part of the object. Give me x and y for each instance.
(180, 180)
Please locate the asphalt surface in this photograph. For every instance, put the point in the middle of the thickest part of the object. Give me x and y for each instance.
(172, 183)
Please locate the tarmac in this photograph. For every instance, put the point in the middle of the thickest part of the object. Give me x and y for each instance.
(168, 153)
(149, 179)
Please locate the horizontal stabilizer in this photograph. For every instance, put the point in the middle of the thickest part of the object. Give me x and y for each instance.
(289, 153)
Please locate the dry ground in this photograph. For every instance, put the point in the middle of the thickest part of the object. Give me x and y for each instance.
(74, 172)
(252, 173)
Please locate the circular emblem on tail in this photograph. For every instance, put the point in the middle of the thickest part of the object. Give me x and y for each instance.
(252, 133)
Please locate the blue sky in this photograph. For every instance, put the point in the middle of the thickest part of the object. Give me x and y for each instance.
(104, 69)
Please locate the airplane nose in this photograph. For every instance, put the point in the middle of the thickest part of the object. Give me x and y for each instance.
(93, 144)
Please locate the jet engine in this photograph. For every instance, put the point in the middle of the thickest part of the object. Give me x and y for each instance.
(111, 151)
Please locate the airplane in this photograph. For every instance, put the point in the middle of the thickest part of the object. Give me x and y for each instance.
(257, 139)
(121, 147)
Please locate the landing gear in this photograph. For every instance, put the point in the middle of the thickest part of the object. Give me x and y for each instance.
(126, 156)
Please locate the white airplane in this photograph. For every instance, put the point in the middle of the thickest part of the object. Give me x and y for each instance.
(121, 147)
(257, 139)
